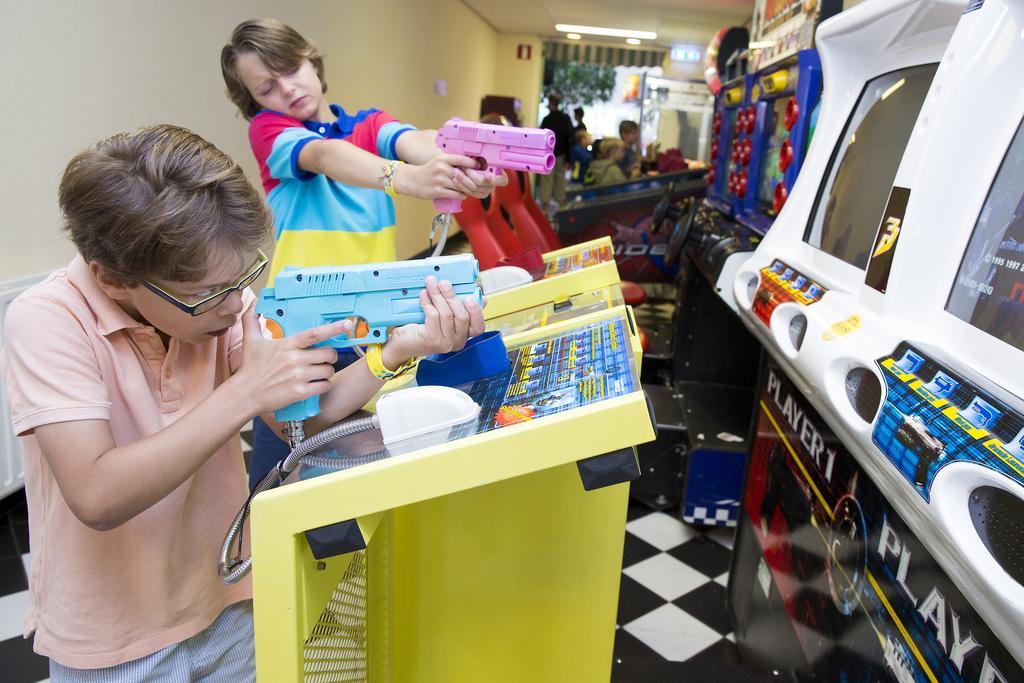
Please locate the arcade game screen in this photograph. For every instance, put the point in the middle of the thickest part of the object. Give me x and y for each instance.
(989, 288)
(850, 204)
(770, 175)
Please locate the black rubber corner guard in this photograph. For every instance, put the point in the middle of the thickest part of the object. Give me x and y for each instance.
(335, 539)
(650, 413)
(609, 469)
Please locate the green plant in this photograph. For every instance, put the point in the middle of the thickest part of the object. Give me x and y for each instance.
(579, 83)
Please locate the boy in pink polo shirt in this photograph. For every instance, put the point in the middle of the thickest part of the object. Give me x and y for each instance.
(130, 374)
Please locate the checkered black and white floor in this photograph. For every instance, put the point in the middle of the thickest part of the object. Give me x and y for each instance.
(672, 619)
(672, 623)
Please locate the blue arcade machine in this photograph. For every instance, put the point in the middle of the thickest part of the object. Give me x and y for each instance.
(786, 96)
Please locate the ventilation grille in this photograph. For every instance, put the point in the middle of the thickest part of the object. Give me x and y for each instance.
(997, 515)
(325, 284)
(336, 648)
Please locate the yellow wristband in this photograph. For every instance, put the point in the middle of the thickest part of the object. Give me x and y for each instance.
(388, 177)
(375, 363)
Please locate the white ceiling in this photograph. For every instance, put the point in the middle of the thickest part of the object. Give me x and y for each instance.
(675, 21)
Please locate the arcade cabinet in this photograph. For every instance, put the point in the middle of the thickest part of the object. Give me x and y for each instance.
(626, 218)
(493, 555)
(881, 524)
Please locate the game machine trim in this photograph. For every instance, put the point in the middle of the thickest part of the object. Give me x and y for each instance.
(905, 452)
(464, 561)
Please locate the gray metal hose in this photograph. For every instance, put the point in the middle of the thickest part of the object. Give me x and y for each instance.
(233, 569)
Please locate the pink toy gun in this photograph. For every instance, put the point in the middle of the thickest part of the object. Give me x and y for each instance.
(495, 148)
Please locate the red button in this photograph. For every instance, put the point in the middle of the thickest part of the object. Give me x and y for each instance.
(792, 113)
(781, 195)
(786, 155)
(741, 185)
(751, 119)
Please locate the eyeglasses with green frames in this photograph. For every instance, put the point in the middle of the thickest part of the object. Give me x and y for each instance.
(208, 303)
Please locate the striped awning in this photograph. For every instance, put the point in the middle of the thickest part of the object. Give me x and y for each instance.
(589, 53)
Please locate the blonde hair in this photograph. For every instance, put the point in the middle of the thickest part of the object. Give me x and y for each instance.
(280, 47)
(155, 204)
(608, 146)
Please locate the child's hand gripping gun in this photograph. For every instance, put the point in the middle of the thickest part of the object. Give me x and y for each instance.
(496, 149)
(382, 295)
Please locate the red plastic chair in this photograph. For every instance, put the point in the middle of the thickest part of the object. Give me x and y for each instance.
(632, 293)
(486, 247)
(500, 228)
(531, 205)
(530, 232)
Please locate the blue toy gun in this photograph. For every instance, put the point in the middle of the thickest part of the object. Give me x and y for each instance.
(382, 295)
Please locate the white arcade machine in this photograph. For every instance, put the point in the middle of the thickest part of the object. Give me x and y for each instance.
(882, 533)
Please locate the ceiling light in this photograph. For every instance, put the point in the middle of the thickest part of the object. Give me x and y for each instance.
(894, 87)
(599, 31)
(573, 36)
(633, 41)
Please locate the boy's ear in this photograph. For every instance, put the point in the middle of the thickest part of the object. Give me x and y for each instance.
(112, 286)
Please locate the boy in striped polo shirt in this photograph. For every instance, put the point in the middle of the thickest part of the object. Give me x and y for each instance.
(325, 171)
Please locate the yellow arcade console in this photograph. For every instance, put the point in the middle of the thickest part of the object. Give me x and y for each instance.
(578, 268)
(492, 557)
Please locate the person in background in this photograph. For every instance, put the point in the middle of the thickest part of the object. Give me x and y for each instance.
(551, 188)
(605, 169)
(580, 155)
(578, 113)
(629, 131)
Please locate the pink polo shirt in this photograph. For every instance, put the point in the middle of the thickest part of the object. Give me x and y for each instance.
(100, 598)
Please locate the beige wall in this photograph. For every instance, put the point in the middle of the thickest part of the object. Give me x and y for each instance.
(76, 72)
(520, 78)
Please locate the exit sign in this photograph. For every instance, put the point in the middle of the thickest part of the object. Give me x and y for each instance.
(686, 53)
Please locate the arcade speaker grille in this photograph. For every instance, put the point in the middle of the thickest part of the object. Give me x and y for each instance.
(996, 514)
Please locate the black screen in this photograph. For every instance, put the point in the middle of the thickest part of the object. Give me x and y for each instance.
(852, 200)
(989, 288)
